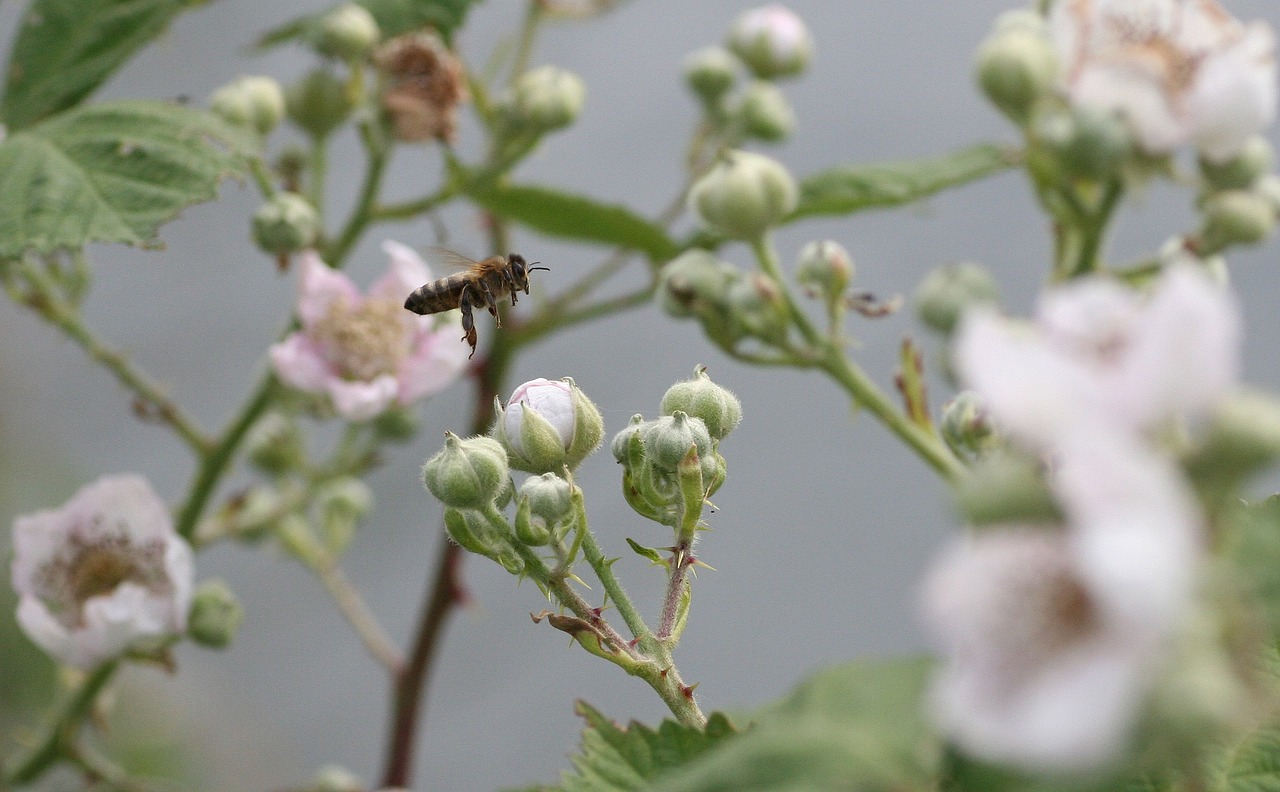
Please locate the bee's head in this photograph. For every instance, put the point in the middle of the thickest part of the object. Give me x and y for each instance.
(520, 270)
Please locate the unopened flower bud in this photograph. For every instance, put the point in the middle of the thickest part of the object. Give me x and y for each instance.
(757, 308)
(335, 778)
(1006, 488)
(710, 73)
(275, 444)
(1243, 170)
(717, 407)
(694, 283)
(1086, 142)
(215, 615)
(341, 504)
(825, 268)
(544, 100)
(765, 113)
(1235, 217)
(318, 103)
(947, 292)
(772, 41)
(966, 424)
(668, 439)
(252, 516)
(624, 446)
(546, 503)
(1016, 67)
(547, 425)
(467, 474)
(743, 195)
(1243, 436)
(286, 223)
(348, 32)
(255, 102)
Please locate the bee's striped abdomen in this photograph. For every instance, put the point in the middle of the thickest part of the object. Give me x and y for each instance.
(436, 296)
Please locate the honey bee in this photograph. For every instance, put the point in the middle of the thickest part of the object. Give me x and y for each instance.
(481, 285)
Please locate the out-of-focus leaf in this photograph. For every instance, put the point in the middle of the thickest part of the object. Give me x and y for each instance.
(569, 216)
(112, 172)
(850, 189)
(67, 48)
(394, 17)
(1253, 546)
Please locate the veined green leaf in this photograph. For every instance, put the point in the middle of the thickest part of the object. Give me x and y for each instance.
(112, 172)
(67, 48)
(845, 190)
(569, 216)
(394, 17)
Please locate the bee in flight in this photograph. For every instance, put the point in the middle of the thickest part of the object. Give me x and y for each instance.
(481, 285)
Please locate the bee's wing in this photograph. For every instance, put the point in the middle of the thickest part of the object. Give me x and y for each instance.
(449, 260)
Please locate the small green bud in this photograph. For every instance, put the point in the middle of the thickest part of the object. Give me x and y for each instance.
(544, 100)
(628, 445)
(334, 778)
(318, 103)
(254, 102)
(1243, 436)
(397, 424)
(472, 532)
(694, 283)
(341, 503)
(347, 32)
(215, 615)
(1004, 488)
(757, 308)
(668, 439)
(947, 292)
(772, 41)
(252, 516)
(467, 474)
(1016, 67)
(547, 425)
(717, 407)
(286, 223)
(1086, 142)
(1235, 217)
(290, 164)
(710, 73)
(743, 195)
(550, 497)
(1243, 170)
(276, 445)
(297, 538)
(966, 425)
(765, 113)
(825, 268)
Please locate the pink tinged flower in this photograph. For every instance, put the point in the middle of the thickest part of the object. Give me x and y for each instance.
(552, 400)
(777, 27)
(365, 351)
(1177, 70)
(101, 572)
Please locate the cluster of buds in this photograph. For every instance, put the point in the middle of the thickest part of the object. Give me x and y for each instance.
(770, 43)
(730, 304)
(671, 464)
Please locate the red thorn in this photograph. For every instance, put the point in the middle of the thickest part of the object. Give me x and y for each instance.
(687, 690)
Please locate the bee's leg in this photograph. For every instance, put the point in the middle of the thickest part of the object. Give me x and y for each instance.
(492, 304)
(511, 285)
(468, 322)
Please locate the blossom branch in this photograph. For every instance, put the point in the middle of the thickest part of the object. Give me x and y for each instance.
(52, 744)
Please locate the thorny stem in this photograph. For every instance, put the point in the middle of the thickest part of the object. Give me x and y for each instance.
(677, 585)
(603, 567)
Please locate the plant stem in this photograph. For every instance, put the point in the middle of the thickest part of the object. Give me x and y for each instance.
(364, 209)
(61, 730)
(319, 166)
(603, 568)
(355, 610)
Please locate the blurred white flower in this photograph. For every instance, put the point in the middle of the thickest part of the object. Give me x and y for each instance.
(772, 41)
(1177, 70)
(101, 572)
(368, 352)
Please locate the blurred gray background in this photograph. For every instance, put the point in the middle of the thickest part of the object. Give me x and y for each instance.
(826, 524)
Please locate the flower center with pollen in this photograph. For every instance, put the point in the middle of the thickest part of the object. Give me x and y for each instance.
(88, 568)
(365, 341)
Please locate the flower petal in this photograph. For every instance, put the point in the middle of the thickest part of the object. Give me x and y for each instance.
(360, 401)
(318, 286)
(406, 272)
(299, 361)
(436, 362)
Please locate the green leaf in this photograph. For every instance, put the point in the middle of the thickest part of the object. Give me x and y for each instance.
(621, 759)
(67, 48)
(1253, 546)
(568, 216)
(849, 189)
(394, 17)
(112, 172)
(647, 552)
(1253, 765)
(855, 727)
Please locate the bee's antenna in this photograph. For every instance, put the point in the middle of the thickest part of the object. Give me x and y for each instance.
(531, 268)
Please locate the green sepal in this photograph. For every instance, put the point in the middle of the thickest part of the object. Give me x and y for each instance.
(692, 493)
(635, 497)
(526, 530)
(470, 534)
(648, 552)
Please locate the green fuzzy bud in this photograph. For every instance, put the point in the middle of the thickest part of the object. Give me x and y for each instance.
(710, 73)
(548, 425)
(668, 439)
(1235, 217)
(1087, 143)
(717, 407)
(341, 503)
(276, 445)
(743, 195)
(695, 283)
(772, 41)
(1243, 437)
(544, 100)
(254, 102)
(966, 425)
(947, 292)
(765, 113)
(550, 497)
(347, 32)
(318, 103)
(825, 268)
(467, 474)
(1242, 171)
(628, 445)
(757, 308)
(1005, 488)
(286, 223)
(215, 615)
(1016, 67)
(397, 424)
